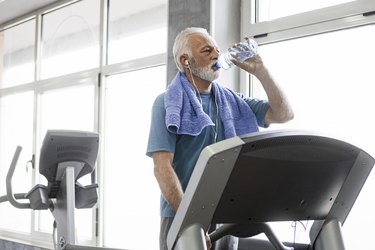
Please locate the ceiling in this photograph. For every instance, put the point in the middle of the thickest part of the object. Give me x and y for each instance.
(11, 9)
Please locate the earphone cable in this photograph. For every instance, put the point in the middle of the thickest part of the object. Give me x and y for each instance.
(200, 99)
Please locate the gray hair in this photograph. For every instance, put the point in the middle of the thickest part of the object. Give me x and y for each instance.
(181, 47)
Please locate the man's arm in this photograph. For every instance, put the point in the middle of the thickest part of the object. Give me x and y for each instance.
(169, 183)
(280, 110)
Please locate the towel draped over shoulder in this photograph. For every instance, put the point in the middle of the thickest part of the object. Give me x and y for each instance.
(185, 115)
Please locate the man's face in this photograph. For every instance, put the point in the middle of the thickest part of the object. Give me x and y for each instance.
(205, 54)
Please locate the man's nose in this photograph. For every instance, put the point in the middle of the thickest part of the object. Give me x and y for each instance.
(216, 54)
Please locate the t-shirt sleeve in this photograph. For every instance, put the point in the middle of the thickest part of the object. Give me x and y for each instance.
(259, 107)
(160, 139)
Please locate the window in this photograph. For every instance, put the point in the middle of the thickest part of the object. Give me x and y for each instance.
(136, 31)
(131, 194)
(68, 108)
(16, 112)
(17, 55)
(73, 86)
(70, 39)
(328, 94)
(328, 88)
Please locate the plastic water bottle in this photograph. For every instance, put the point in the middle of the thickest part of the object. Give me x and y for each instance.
(243, 51)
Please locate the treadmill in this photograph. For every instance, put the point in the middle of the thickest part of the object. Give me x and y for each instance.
(243, 183)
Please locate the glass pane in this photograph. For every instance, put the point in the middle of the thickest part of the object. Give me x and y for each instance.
(69, 108)
(136, 30)
(330, 87)
(17, 55)
(16, 128)
(269, 10)
(71, 39)
(131, 194)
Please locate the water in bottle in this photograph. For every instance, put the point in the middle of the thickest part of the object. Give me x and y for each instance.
(241, 52)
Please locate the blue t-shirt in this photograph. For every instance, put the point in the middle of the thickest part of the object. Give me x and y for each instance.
(187, 148)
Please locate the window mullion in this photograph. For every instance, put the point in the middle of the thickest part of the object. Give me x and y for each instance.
(37, 56)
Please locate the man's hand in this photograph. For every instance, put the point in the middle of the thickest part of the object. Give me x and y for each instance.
(253, 65)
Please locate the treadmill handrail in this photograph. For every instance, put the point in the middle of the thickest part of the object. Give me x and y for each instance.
(10, 195)
(255, 228)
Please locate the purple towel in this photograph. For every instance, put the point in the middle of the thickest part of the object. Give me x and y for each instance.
(185, 115)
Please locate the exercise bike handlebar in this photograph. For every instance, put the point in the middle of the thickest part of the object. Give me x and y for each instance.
(11, 198)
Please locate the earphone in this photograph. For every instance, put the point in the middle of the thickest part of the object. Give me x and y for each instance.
(186, 62)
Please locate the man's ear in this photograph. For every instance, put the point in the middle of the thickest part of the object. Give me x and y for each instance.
(184, 60)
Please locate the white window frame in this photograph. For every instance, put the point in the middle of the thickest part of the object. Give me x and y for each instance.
(333, 18)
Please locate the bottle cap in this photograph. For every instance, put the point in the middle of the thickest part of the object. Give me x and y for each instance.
(217, 65)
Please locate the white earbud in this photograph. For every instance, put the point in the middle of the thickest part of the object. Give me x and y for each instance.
(186, 62)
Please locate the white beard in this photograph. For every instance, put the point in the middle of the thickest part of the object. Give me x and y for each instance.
(206, 73)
